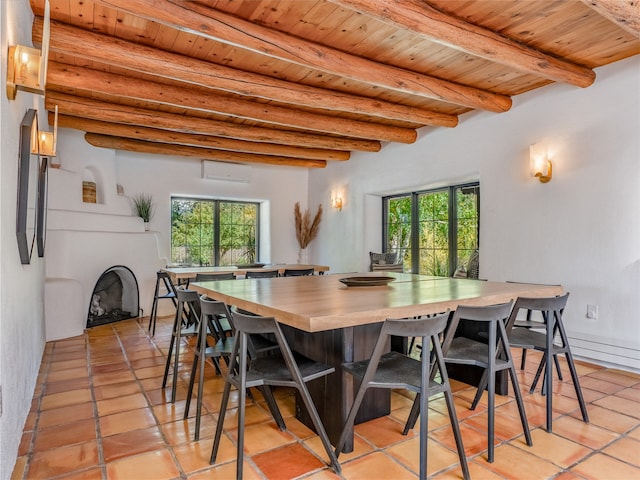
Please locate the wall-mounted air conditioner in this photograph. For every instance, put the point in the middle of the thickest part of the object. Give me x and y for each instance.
(226, 172)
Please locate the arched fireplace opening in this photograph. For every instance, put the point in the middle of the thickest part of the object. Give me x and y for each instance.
(115, 297)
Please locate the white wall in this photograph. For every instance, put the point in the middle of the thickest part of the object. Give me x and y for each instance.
(85, 239)
(164, 176)
(580, 230)
(21, 286)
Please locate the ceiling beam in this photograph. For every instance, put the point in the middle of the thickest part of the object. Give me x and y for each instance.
(624, 13)
(74, 41)
(98, 110)
(119, 143)
(419, 17)
(195, 140)
(225, 28)
(61, 77)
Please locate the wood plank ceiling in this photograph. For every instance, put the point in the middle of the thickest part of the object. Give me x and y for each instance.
(306, 82)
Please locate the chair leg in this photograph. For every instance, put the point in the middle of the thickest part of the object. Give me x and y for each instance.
(481, 386)
(201, 361)
(413, 415)
(192, 378)
(453, 418)
(576, 385)
(273, 407)
(572, 371)
(557, 362)
(170, 353)
(520, 403)
(451, 407)
(523, 360)
(152, 316)
(538, 373)
(221, 414)
(176, 359)
(424, 425)
(313, 413)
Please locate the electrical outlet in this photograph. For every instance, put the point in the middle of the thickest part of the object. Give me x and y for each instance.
(592, 311)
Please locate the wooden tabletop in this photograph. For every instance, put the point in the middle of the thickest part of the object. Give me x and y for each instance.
(322, 302)
(183, 273)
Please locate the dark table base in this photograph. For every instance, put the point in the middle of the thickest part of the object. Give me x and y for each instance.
(333, 395)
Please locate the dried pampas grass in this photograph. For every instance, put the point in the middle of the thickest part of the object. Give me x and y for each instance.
(306, 230)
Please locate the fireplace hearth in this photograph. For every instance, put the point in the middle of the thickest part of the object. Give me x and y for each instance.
(115, 297)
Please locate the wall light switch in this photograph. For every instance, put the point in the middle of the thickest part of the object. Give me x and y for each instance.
(592, 311)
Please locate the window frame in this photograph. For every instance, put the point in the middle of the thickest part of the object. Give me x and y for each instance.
(216, 223)
(452, 233)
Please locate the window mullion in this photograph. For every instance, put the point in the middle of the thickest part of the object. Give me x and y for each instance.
(453, 230)
(216, 232)
(415, 233)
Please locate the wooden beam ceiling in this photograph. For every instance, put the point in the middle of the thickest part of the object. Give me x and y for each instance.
(306, 82)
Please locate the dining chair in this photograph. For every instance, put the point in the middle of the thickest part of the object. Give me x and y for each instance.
(221, 322)
(394, 370)
(525, 337)
(284, 369)
(162, 279)
(210, 311)
(530, 322)
(261, 274)
(210, 277)
(298, 272)
(493, 356)
(187, 315)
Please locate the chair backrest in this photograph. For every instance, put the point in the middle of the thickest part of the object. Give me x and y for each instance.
(210, 311)
(189, 302)
(262, 274)
(387, 261)
(206, 277)
(166, 278)
(298, 272)
(490, 314)
(544, 305)
(424, 326)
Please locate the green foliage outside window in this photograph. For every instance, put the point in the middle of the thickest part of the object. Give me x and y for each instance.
(433, 231)
(213, 232)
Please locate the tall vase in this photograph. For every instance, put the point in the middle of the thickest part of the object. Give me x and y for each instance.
(303, 256)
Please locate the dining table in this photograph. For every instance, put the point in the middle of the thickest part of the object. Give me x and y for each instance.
(184, 274)
(332, 319)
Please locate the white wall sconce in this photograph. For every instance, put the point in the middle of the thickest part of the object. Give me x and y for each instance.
(539, 163)
(336, 200)
(27, 66)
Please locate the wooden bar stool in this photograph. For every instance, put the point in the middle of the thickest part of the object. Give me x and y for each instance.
(162, 278)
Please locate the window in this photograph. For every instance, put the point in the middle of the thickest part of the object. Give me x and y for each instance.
(433, 231)
(213, 232)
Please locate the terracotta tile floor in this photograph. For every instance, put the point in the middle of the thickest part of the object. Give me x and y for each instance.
(98, 412)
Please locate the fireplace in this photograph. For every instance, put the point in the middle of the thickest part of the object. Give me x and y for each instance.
(115, 297)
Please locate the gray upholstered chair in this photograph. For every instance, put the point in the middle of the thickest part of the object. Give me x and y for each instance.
(385, 262)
